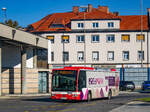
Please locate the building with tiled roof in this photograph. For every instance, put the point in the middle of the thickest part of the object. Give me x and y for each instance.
(96, 37)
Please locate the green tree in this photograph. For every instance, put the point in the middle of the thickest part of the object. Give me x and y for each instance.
(15, 24)
(12, 23)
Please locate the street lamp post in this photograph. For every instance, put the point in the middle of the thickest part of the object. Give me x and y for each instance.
(63, 50)
(84, 8)
(5, 16)
(142, 37)
(148, 70)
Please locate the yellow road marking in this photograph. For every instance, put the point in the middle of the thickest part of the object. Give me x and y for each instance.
(59, 105)
(65, 110)
(71, 109)
(35, 109)
(88, 104)
(53, 106)
(26, 111)
(44, 107)
(65, 103)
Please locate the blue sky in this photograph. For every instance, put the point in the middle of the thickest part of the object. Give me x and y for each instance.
(29, 11)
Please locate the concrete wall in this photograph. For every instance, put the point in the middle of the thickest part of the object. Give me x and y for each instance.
(103, 47)
(11, 57)
(11, 81)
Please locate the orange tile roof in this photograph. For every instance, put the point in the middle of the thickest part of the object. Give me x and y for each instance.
(95, 15)
(127, 22)
(56, 18)
(133, 22)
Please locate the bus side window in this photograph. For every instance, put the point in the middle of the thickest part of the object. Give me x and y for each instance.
(82, 80)
(57, 81)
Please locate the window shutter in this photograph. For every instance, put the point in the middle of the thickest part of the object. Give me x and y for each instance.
(65, 37)
(140, 37)
(50, 37)
(125, 37)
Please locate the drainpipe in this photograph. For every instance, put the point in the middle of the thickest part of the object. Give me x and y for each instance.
(148, 18)
(0, 68)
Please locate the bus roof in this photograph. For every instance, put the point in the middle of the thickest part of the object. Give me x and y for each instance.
(75, 68)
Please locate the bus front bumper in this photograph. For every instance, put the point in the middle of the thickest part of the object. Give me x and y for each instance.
(66, 96)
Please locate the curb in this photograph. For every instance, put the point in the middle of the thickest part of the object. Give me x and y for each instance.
(22, 95)
(124, 108)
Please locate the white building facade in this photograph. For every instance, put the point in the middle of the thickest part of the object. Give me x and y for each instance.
(96, 38)
(100, 47)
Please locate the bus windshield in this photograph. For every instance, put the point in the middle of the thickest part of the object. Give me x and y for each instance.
(64, 80)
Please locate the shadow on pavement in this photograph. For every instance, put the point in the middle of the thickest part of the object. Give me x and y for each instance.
(50, 100)
(61, 101)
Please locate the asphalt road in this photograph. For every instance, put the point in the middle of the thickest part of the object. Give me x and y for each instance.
(45, 104)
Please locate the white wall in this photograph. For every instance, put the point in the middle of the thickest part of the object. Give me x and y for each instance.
(11, 57)
(29, 63)
(103, 47)
(103, 24)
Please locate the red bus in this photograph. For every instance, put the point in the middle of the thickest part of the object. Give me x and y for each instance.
(83, 83)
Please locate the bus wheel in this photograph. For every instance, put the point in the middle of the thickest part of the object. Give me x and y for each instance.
(109, 95)
(89, 96)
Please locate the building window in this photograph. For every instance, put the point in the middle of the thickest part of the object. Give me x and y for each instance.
(80, 38)
(95, 38)
(56, 26)
(110, 38)
(95, 55)
(80, 25)
(80, 56)
(42, 58)
(125, 38)
(95, 25)
(140, 55)
(110, 24)
(65, 39)
(110, 55)
(125, 55)
(51, 38)
(140, 37)
(65, 56)
(52, 56)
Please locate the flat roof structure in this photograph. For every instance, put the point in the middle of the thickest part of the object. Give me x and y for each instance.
(23, 40)
(9, 34)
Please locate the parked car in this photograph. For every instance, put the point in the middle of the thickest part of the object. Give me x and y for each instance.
(127, 85)
(146, 85)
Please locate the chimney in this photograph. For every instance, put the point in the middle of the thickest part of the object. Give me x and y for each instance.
(90, 7)
(148, 18)
(103, 9)
(116, 13)
(76, 9)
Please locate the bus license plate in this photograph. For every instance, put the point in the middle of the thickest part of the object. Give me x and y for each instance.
(63, 98)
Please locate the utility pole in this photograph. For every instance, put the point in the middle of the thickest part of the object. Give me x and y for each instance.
(63, 53)
(148, 17)
(142, 37)
(84, 8)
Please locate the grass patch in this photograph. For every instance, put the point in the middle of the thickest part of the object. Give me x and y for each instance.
(144, 99)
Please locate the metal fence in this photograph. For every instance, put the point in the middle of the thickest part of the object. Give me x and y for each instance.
(137, 75)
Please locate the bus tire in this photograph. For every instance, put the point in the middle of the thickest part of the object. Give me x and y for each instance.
(89, 96)
(109, 95)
